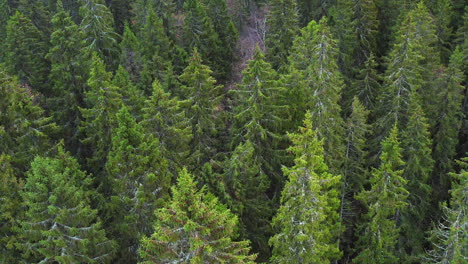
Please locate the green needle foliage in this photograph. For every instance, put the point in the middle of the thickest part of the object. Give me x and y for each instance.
(313, 9)
(121, 11)
(25, 130)
(355, 24)
(403, 75)
(355, 173)
(199, 32)
(164, 117)
(411, 65)
(390, 13)
(256, 119)
(443, 11)
(11, 211)
(448, 123)
(314, 55)
(40, 14)
(307, 221)
(384, 200)
(193, 227)
(157, 52)
(139, 181)
(450, 236)
(416, 144)
(368, 83)
(283, 26)
(132, 97)
(138, 89)
(102, 101)
(203, 96)
(247, 186)
(426, 35)
(357, 131)
(462, 40)
(68, 76)
(97, 25)
(227, 32)
(360, 17)
(165, 9)
(59, 224)
(5, 14)
(131, 57)
(24, 52)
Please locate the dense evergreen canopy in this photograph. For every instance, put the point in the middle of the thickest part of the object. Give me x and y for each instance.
(233, 131)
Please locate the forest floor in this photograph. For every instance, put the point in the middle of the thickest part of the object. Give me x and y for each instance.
(252, 33)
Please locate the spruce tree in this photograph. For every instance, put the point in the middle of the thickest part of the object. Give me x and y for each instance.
(139, 179)
(344, 31)
(203, 97)
(355, 172)
(425, 33)
(132, 96)
(122, 13)
(390, 13)
(462, 40)
(307, 221)
(366, 28)
(246, 184)
(139, 11)
(361, 40)
(102, 101)
(165, 9)
(416, 145)
(25, 130)
(199, 32)
(444, 13)
(314, 56)
(156, 50)
(5, 12)
(402, 76)
(448, 123)
(256, 115)
(217, 10)
(25, 51)
(97, 25)
(171, 82)
(295, 87)
(355, 24)
(367, 85)
(60, 225)
(72, 7)
(313, 9)
(227, 32)
(411, 64)
(11, 211)
(194, 228)
(131, 58)
(385, 199)
(68, 76)
(459, 13)
(40, 14)
(283, 26)
(212, 177)
(164, 116)
(449, 237)
(238, 10)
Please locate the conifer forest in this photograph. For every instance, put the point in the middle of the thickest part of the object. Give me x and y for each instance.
(234, 131)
